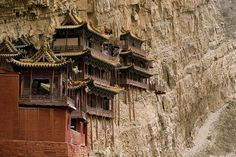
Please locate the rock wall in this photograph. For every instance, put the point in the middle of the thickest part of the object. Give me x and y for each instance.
(191, 42)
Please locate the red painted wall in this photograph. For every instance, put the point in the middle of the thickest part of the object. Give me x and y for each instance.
(43, 124)
(28, 132)
(9, 88)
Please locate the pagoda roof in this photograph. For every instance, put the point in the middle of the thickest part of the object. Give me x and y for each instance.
(132, 53)
(44, 58)
(72, 22)
(104, 91)
(7, 49)
(91, 55)
(22, 42)
(137, 69)
(132, 35)
(73, 85)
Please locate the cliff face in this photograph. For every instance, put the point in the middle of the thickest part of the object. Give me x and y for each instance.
(192, 42)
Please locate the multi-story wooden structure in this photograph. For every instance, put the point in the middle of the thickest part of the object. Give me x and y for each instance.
(135, 65)
(42, 106)
(73, 86)
(90, 81)
(43, 80)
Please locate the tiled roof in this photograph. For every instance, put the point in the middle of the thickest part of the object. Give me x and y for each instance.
(73, 85)
(50, 60)
(106, 91)
(78, 23)
(135, 55)
(137, 69)
(92, 53)
(129, 33)
(7, 49)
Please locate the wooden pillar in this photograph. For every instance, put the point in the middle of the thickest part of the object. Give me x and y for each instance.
(31, 82)
(118, 110)
(114, 108)
(96, 103)
(105, 129)
(133, 103)
(91, 132)
(52, 83)
(67, 75)
(129, 102)
(113, 119)
(22, 86)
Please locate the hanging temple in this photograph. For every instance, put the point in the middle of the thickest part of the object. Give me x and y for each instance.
(69, 91)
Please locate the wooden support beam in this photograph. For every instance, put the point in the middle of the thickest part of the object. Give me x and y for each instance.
(133, 103)
(97, 128)
(118, 110)
(52, 83)
(22, 86)
(114, 108)
(129, 102)
(105, 129)
(91, 132)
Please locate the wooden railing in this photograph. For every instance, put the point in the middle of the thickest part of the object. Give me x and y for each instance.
(97, 80)
(66, 48)
(101, 54)
(47, 100)
(140, 68)
(134, 83)
(99, 112)
(134, 49)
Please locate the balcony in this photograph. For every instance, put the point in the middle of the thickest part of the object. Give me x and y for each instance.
(97, 80)
(47, 100)
(134, 83)
(78, 115)
(99, 112)
(139, 68)
(101, 54)
(134, 49)
(66, 48)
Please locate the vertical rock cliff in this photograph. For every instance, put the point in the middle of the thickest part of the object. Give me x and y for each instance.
(191, 41)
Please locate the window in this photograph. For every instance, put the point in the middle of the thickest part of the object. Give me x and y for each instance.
(73, 124)
(90, 69)
(26, 80)
(106, 104)
(103, 73)
(41, 87)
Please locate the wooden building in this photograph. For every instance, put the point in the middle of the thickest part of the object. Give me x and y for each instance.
(40, 107)
(73, 86)
(91, 82)
(135, 65)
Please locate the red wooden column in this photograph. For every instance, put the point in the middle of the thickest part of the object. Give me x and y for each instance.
(52, 83)
(22, 85)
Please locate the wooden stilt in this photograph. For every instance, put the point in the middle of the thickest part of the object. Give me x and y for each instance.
(113, 133)
(105, 129)
(132, 91)
(114, 108)
(129, 102)
(91, 132)
(118, 110)
(96, 127)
